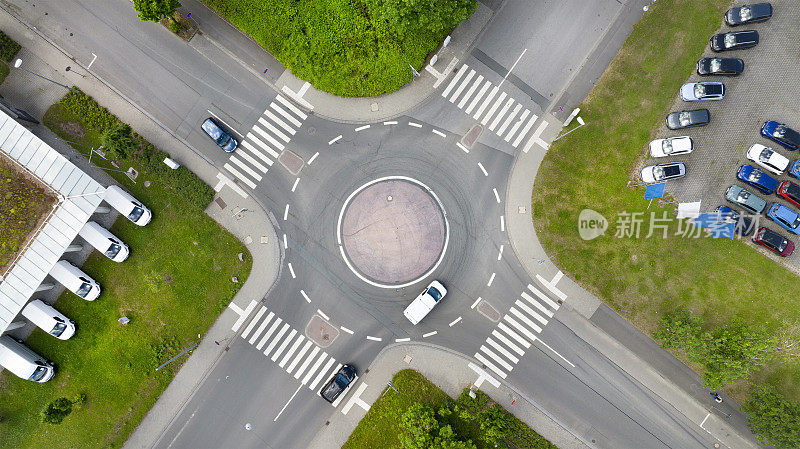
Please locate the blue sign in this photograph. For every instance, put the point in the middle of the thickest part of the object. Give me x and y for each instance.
(654, 191)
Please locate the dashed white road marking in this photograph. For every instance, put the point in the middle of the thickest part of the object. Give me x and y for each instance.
(496, 194)
(311, 161)
(415, 125)
(322, 314)
(361, 128)
(294, 186)
(475, 303)
(502, 223)
(346, 330)
(491, 279)
(485, 173)
(500, 255)
(390, 122)
(400, 340)
(285, 242)
(287, 403)
(429, 334)
(308, 300)
(458, 144)
(291, 270)
(454, 322)
(334, 140)
(369, 337)
(286, 212)
(436, 131)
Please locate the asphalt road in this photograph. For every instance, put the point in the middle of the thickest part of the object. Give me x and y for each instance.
(270, 375)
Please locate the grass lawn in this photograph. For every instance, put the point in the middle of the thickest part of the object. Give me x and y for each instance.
(172, 287)
(645, 278)
(23, 205)
(379, 427)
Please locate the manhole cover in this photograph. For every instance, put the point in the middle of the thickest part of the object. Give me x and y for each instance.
(312, 130)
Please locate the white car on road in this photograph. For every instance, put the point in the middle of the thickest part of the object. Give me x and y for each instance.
(671, 146)
(768, 158)
(425, 302)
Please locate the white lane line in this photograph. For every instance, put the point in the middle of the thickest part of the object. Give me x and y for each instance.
(257, 140)
(390, 122)
(294, 186)
(253, 322)
(436, 131)
(346, 330)
(454, 81)
(303, 292)
(469, 93)
(458, 144)
(455, 321)
(543, 297)
(286, 212)
(369, 337)
(274, 129)
(517, 125)
(500, 114)
(462, 86)
(291, 107)
(502, 224)
(326, 372)
(310, 161)
(513, 335)
(223, 122)
(94, 56)
(251, 160)
(415, 125)
(285, 242)
(280, 122)
(508, 342)
(491, 279)
(500, 254)
(334, 140)
(429, 334)
(269, 333)
(285, 114)
(287, 403)
(254, 150)
(245, 167)
(241, 177)
(486, 102)
(496, 194)
(502, 350)
(307, 362)
(283, 345)
(322, 314)
(489, 364)
(260, 329)
(524, 330)
(475, 303)
(400, 340)
(512, 67)
(527, 320)
(531, 312)
(291, 350)
(524, 131)
(299, 357)
(314, 368)
(537, 304)
(361, 128)
(556, 353)
(291, 270)
(276, 339)
(509, 119)
(478, 97)
(493, 109)
(485, 173)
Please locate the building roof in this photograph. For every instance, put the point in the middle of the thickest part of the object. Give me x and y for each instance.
(78, 197)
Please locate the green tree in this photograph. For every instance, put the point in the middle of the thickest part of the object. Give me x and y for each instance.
(422, 430)
(496, 424)
(406, 17)
(56, 411)
(118, 141)
(773, 418)
(155, 10)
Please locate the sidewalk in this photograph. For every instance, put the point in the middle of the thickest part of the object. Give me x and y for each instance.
(451, 372)
(244, 218)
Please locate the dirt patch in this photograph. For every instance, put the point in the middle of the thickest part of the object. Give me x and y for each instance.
(72, 129)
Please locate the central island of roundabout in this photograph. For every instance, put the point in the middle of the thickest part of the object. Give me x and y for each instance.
(393, 232)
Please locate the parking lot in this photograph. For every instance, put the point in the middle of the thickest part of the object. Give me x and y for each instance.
(768, 89)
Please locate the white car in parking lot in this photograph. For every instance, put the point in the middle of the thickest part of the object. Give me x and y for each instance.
(768, 158)
(671, 146)
(704, 91)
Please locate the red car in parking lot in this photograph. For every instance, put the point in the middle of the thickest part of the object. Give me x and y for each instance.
(790, 192)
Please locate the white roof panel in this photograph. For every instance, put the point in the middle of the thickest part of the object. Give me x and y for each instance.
(37, 259)
(23, 275)
(33, 154)
(76, 211)
(9, 144)
(6, 128)
(46, 163)
(52, 231)
(52, 171)
(20, 143)
(35, 270)
(39, 157)
(49, 256)
(72, 179)
(19, 285)
(63, 175)
(64, 222)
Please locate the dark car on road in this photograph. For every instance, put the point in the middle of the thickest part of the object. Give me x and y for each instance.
(340, 381)
(757, 178)
(735, 40)
(742, 15)
(720, 66)
(744, 225)
(782, 134)
(790, 192)
(688, 119)
(774, 242)
(222, 138)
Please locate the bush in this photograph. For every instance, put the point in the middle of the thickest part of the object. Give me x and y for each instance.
(8, 47)
(118, 141)
(90, 112)
(175, 26)
(775, 419)
(56, 411)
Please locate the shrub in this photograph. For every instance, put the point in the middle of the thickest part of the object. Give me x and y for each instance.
(775, 419)
(118, 141)
(56, 411)
(175, 26)
(8, 47)
(90, 112)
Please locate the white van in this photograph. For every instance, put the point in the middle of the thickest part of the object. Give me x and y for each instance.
(75, 280)
(49, 319)
(127, 205)
(104, 241)
(24, 363)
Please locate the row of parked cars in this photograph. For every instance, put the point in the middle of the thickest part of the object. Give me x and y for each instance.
(18, 358)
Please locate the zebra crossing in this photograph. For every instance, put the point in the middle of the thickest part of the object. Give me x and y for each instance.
(265, 141)
(503, 115)
(290, 349)
(515, 333)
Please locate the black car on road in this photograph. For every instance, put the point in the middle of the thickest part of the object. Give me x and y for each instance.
(688, 119)
(735, 40)
(720, 66)
(340, 381)
(742, 15)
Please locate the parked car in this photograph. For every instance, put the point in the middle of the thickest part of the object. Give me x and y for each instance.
(774, 242)
(704, 91)
(688, 119)
(768, 158)
(663, 172)
(746, 200)
(763, 182)
(734, 40)
(222, 138)
(425, 302)
(742, 15)
(339, 383)
(782, 134)
(720, 66)
(794, 170)
(744, 225)
(790, 192)
(671, 146)
(785, 217)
